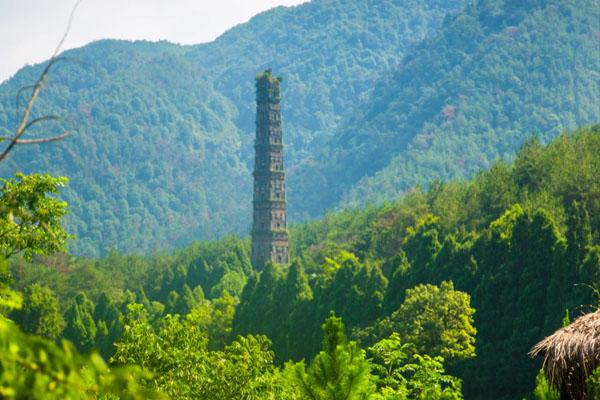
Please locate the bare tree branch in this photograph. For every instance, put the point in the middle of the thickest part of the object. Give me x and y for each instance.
(69, 23)
(18, 100)
(40, 119)
(23, 124)
(44, 140)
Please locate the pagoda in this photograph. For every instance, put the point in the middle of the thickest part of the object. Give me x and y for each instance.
(269, 228)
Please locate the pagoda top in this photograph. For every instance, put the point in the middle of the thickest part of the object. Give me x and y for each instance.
(268, 76)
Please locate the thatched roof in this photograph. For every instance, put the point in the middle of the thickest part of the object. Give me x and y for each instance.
(571, 354)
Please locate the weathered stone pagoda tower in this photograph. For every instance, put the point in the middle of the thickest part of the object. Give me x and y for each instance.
(269, 230)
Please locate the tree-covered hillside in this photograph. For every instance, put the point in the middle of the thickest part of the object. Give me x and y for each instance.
(446, 288)
(149, 163)
(162, 145)
(494, 75)
(379, 96)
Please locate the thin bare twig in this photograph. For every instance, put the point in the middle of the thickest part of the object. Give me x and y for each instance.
(18, 100)
(69, 23)
(23, 124)
(41, 119)
(44, 140)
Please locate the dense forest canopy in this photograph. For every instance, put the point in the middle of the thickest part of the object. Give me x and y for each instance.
(493, 75)
(377, 97)
(439, 294)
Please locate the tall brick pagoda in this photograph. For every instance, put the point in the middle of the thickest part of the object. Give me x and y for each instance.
(269, 230)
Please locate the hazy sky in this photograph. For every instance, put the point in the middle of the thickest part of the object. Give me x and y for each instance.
(31, 29)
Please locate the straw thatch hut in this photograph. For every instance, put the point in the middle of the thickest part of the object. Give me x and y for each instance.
(571, 354)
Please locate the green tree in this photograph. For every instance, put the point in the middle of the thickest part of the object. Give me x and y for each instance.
(40, 314)
(353, 289)
(293, 302)
(416, 377)
(579, 233)
(176, 355)
(80, 325)
(215, 318)
(109, 322)
(29, 217)
(31, 366)
(438, 321)
(421, 243)
(397, 287)
(339, 371)
(543, 390)
(428, 380)
(389, 356)
(243, 370)
(183, 367)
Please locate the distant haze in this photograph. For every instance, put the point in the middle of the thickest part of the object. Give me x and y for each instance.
(31, 29)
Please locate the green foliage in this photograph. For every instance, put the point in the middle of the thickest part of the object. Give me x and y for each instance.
(35, 368)
(80, 325)
(243, 370)
(215, 318)
(339, 371)
(284, 299)
(543, 390)
(438, 321)
(31, 366)
(355, 290)
(175, 355)
(9, 299)
(29, 217)
(274, 303)
(593, 384)
(39, 314)
(429, 381)
(184, 368)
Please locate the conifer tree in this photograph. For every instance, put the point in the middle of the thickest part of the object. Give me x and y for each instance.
(80, 326)
(339, 372)
(579, 233)
(395, 291)
(244, 313)
(354, 290)
(109, 323)
(295, 302)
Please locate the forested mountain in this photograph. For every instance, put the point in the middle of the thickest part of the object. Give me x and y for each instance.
(378, 97)
(493, 75)
(162, 146)
(461, 279)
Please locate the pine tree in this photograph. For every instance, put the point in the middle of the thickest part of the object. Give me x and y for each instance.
(579, 233)
(109, 324)
(81, 328)
(294, 300)
(339, 371)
